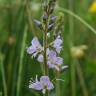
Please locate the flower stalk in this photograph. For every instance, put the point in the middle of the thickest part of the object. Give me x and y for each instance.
(48, 54)
(45, 48)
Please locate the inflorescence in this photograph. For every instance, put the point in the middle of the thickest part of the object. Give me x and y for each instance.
(51, 49)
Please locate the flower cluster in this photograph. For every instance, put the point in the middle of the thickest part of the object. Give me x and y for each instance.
(53, 61)
(42, 85)
(48, 53)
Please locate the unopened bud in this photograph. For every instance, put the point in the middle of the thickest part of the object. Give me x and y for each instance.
(50, 27)
(53, 18)
(45, 17)
(38, 24)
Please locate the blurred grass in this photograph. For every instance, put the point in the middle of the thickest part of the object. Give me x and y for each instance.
(14, 16)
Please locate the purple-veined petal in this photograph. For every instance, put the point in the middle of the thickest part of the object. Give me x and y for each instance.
(52, 54)
(36, 86)
(58, 49)
(50, 65)
(58, 41)
(44, 79)
(50, 86)
(40, 58)
(35, 42)
(57, 44)
(59, 60)
(31, 50)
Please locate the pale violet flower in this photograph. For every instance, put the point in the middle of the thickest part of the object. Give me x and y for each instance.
(41, 58)
(57, 44)
(42, 85)
(53, 61)
(35, 47)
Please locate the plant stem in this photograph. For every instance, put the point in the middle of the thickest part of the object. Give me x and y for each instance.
(73, 79)
(58, 84)
(78, 18)
(81, 79)
(45, 50)
(45, 55)
(3, 75)
(45, 46)
(21, 62)
(71, 41)
(29, 16)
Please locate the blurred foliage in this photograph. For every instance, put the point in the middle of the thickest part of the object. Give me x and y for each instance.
(15, 17)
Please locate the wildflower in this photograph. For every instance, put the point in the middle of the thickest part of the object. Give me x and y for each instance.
(57, 44)
(54, 61)
(42, 85)
(35, 48)
(92, 8)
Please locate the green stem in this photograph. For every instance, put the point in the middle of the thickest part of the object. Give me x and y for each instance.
(78, 18)
(58, 84)
(29, 17)
(45, 55)
(81, 79)
(72, 64)
(45, 46)
(73, 78)
(3, 76)
(45, 50)
(21, 62)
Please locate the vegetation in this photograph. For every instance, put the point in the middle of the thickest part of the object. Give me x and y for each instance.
(17, 29)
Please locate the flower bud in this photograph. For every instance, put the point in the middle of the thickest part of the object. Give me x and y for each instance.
(45, 6)
(51, 6)
(50, 27)
(45, 17)
(38, 24)
(53, 19)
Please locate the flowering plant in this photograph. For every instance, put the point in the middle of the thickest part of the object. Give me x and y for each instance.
(48, 53)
